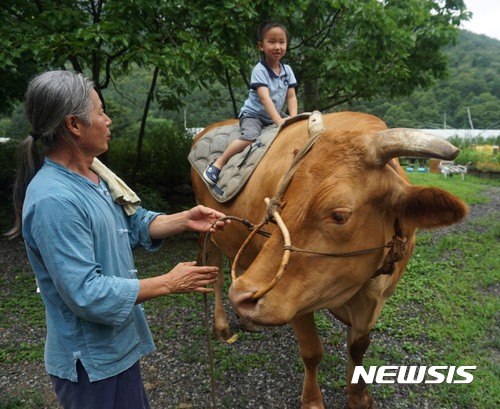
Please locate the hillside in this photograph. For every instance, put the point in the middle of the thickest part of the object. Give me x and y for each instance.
(473, 85)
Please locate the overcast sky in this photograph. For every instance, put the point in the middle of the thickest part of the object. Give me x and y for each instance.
(485, 19)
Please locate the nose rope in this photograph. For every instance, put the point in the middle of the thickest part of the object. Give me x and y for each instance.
(284, 259)
(397, 249)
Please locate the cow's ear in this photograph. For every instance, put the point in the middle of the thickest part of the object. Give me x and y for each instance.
(430, 207)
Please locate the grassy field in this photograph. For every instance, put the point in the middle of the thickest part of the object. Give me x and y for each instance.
(444, 312)
(454, 282)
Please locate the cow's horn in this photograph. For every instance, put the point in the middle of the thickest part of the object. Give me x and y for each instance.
(315, 125)
(397, 142)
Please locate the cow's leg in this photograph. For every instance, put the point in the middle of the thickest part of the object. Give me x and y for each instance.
(214, 257)
(311, 352)
(360, 314)
(357, 394)
(363, 310)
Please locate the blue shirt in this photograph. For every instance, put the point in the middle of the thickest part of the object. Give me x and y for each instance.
(79, 243)
(264, 76)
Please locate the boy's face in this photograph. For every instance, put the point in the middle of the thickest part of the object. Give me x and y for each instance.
(274, 45)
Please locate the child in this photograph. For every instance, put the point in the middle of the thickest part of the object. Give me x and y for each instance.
(271, 83)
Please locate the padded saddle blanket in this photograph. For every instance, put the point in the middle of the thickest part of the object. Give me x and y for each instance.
(240, 167)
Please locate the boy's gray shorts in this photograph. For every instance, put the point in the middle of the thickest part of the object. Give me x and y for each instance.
(251, 128)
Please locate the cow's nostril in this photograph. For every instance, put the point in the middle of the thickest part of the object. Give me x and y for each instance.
(242, 301)
(248, 304)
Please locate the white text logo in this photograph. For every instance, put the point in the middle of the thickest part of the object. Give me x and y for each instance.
(414, 374)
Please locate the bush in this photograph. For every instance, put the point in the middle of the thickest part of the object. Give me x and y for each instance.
(8, 164)
(481, 160)
(164, 156)
(151, 199)
(492, 165)
(470, 155)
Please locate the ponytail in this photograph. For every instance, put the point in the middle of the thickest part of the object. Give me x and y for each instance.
(50, 99)
(29, 162)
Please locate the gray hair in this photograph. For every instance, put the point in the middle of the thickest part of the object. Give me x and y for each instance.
(50, 98)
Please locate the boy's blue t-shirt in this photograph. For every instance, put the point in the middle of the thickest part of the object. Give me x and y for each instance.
(264, 76)
(79, 243)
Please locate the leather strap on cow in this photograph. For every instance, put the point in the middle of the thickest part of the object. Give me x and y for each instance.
(397, 249)
(275, 204)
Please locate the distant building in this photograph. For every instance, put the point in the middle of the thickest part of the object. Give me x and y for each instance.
(464, 133)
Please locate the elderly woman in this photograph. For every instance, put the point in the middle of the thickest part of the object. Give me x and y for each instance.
(79, 243)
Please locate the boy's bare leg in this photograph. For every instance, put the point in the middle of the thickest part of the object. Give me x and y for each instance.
(234, 147)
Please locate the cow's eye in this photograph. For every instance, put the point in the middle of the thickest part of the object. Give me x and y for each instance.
(340, 217)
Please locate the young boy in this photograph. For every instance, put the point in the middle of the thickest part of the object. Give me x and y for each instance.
(271, 83)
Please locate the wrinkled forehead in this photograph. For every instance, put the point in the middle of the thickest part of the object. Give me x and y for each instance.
(95, 100)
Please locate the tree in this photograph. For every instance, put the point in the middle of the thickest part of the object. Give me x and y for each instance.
(104, 39)
(349, 50)
(340, 50)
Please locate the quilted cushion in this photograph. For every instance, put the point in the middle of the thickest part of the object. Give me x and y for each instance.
(239, 168)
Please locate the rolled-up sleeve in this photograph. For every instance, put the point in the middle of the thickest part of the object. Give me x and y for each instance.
(139, 229)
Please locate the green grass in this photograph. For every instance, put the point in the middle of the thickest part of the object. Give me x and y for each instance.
(21, 305)
(23, 400)
(468, 189)
(449, 297)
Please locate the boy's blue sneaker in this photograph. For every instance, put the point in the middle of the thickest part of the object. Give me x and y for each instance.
(211, 174)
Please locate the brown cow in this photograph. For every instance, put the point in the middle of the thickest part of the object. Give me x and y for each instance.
(342, 199)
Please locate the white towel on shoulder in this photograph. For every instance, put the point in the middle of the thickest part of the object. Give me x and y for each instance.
(119, 190)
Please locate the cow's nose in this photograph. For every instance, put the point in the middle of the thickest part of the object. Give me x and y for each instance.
(242, 301)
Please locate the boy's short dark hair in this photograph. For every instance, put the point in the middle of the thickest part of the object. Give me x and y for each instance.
(268, 25)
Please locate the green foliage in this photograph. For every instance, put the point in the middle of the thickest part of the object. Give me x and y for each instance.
(480, 159)
(8, 156)
(340, 50)
(470, 155)
(164, 157)
(489, 165)
(463, 143)
(360, 40)
(152, 199)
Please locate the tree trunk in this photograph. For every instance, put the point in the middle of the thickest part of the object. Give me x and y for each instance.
(311, 95)
(231, 93)
(140, 139)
